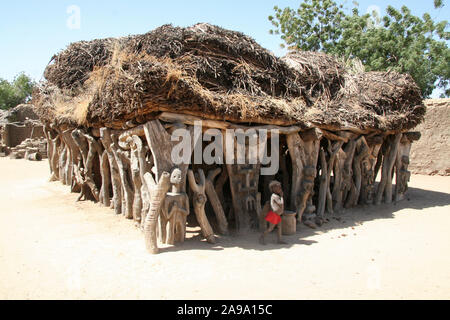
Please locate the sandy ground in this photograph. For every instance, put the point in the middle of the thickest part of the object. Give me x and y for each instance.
(54, 248)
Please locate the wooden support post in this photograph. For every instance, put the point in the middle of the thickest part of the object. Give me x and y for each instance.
(368, 169)
(161, 147)
(199, 202)
(244, 179)
(296, 151)
(123, 163)
(137, 183)
(54, 142)
(347, 172)
(309, 146)
(144, 167)
(75, 160)
(106, 140)
(326, 167)
(105, 198)
(385, 186)
(215, 201)
(402, 163)
(94, 149)
(361, 152)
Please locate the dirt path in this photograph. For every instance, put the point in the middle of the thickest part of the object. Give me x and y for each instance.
(54, 248)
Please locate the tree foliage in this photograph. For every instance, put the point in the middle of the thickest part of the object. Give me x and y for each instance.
(16, 92)
(398, 41)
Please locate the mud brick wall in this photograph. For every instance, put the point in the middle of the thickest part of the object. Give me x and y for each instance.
(431, 154)
(14, 134)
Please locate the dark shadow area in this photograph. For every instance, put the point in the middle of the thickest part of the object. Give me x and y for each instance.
(417, 199)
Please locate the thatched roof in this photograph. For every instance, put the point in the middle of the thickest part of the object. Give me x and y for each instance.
(215, 73)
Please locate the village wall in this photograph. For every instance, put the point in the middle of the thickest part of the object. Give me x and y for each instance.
(431, 154)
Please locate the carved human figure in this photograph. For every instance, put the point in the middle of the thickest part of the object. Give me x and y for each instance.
(404, 176)
(306, 191)
(174, 211)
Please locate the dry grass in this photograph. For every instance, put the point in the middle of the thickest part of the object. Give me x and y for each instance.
(209, 70)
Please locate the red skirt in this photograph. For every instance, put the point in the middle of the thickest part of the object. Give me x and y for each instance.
(273, 218)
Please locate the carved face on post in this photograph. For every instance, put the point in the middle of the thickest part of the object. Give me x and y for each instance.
(175, 177)
(367, 172)
(199, 199)
(308, 186)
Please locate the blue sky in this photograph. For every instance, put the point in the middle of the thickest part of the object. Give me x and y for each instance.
(32, 31)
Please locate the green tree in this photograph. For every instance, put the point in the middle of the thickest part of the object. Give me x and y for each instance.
(16, 92)
(397, 41)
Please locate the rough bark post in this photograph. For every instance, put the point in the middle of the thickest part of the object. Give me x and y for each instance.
(361, 152)
(309, 147)
(385, 186)
(379, 161)
(199, 202)
(368, 169)
(222, 222)
(324, 189)
(94, 149)
(284, 176)
(54, 142)
(347, 172)
(106, 179)
(161, 147)
(338, 185)
(78, 137)
(75, 160)
(223, 178)
(144, 167)
(323, 185)
(137, 182)
(123, 163)
(88, 185)
(105, 138)
(63, 160)
(296, 151)
(49, 147)
(140, 164)
(62, 163)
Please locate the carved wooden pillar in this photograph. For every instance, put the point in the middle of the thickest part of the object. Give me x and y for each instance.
(389, 157)
(402, 162)
(304, 151)
(368, 169)
(159, 141)
(244, 179)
